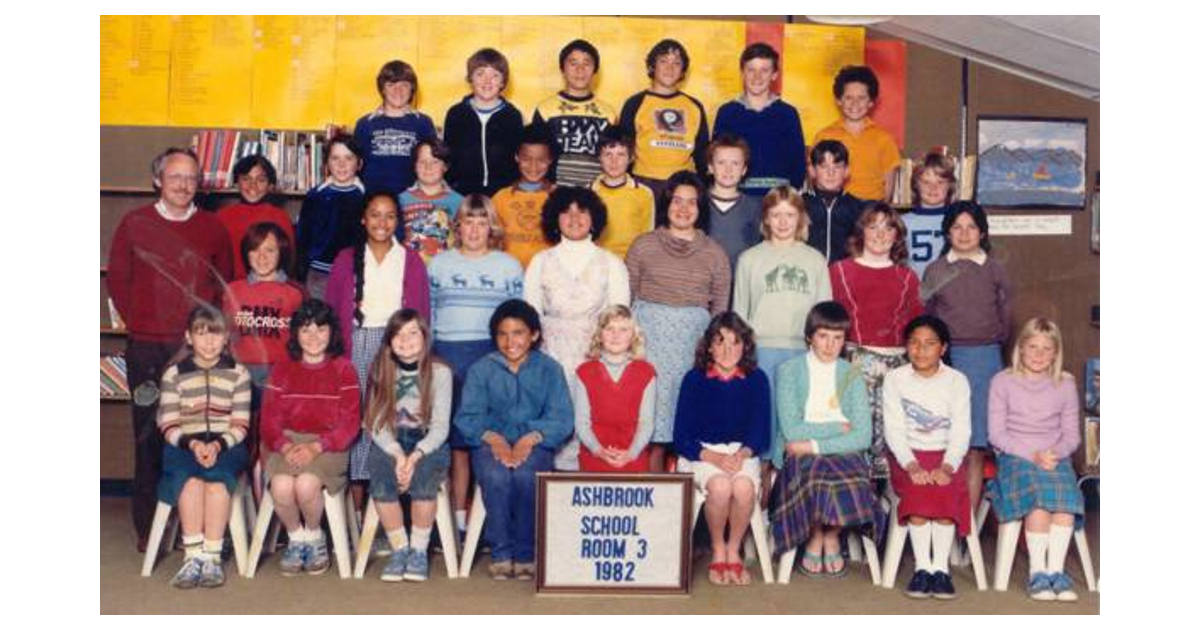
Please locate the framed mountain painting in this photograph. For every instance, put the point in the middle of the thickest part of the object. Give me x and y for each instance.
(1032, 162)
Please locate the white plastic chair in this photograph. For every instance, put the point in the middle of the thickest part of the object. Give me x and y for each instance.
(898, 537)
(237, 530)
(758, 531)
(445, 526)
(474, 529)
(337, 508)
(1006, 550)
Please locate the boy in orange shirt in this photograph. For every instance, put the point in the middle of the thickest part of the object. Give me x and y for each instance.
(519, 206)
(873, 150)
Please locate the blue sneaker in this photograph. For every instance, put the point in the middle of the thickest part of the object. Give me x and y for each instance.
(316, 561)
(211, 574)
(1041, 588)
(418, 566)
(292, 561)
(919, 587)
(1064, 588)
(189, 574)
(396, 566)
(941, 587)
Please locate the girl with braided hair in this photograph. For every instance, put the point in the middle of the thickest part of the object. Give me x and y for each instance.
(369, 282)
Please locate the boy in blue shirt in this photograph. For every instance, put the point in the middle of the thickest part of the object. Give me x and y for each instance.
(389, 135)
(769, 125)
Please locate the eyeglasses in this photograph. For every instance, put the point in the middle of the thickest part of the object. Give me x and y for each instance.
(180, 178)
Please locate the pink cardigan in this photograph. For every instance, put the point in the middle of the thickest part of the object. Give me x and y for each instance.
(340, 290)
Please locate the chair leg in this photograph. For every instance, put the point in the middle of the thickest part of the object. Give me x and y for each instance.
(786, 563)
(335, 511)
(446, 530)
(352, 520)
(854, 546)
(758, 530)
(976, 551)
(896, 538)
(872, 553)
(161, 514)
(474, 529)
(237, 525)
(363, 549)
(1085, 558)
(1006, 549)
(266, 509)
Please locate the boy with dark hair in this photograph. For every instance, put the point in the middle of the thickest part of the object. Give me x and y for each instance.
(832, 211)
(668, 127)
(389, 134)
(519, 207)
(873, 148)
(575, 117)
(630, 204)
(769, 125)
(735, 216)
(484, 129)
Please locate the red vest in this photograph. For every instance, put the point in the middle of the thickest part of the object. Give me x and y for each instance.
(614, 408)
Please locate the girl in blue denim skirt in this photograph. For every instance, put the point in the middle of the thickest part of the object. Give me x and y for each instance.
(408, 420)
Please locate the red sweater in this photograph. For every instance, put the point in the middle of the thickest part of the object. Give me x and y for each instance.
(881, 302)
(158, 270)
(322, 399)
(259, 315)
(240, 217)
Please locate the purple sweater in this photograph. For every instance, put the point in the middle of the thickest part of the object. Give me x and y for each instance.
(1027, 415)
(340, 290)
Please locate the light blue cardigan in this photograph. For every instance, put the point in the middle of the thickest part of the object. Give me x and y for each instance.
(791, 395)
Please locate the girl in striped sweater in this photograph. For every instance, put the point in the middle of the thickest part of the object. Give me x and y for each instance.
(204, 414)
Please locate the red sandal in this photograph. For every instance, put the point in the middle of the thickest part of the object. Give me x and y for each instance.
(736, 574)
(716, 573)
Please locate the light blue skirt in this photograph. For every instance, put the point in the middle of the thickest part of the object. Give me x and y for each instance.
(979, 364)
(671, 335)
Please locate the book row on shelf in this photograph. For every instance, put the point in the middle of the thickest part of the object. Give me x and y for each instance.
(113, 380)
(297, 155)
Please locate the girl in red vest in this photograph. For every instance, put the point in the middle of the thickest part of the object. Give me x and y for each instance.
(614, 397)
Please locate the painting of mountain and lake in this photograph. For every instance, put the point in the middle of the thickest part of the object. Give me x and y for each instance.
(1032, 162)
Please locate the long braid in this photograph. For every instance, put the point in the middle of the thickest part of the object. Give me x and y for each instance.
(360, 252)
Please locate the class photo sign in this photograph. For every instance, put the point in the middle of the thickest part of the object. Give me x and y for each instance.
(613, 533)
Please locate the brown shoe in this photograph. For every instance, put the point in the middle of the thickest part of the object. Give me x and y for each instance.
(524, 570)
(501, 570)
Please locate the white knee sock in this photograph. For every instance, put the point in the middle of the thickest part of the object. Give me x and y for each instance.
(921, 536)
(398, 539)
(1037, 543)
(1060, 541)
(943, 539)
(420, 538)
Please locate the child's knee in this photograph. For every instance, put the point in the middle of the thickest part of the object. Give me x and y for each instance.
(719, 487)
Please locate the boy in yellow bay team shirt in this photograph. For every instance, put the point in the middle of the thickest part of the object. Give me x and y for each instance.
(630, 204)
(669, 128)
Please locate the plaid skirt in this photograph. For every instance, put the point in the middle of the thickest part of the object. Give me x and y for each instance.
(830, 490)
(366, 343)
(1020, 486)
(874, 367)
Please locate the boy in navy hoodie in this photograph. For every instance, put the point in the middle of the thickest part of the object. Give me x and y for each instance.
(483, 130)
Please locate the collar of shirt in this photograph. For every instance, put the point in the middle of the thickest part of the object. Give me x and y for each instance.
(713, 372)
(978, 258)
(162, 212)
(741, 98)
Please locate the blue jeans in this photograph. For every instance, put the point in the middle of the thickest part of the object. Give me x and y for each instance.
(509, 498)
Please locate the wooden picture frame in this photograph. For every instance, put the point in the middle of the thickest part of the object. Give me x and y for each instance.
(611, 533)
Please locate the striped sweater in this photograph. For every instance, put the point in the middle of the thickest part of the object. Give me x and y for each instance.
(206, 404)
(677, 272)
